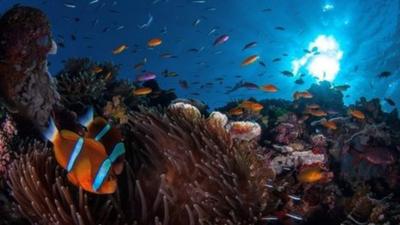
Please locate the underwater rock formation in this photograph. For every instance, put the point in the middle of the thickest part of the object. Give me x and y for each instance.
(26, 86)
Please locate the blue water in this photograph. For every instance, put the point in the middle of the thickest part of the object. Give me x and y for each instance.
(366, 30)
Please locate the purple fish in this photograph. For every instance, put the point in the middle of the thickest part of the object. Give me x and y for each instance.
(221, 39)
(145, 77)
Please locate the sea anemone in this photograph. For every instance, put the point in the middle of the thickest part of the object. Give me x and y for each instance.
(217, 119)
(244, 130)
(189, 174)
(205, 177)
(43, 195)
(189, 111)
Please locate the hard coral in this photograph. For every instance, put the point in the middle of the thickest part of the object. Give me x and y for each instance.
(25, 84)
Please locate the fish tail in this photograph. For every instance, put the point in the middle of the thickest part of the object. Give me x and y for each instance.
(87, 118)
(51, 131)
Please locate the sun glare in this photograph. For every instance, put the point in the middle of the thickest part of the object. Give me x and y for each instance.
(322, 59)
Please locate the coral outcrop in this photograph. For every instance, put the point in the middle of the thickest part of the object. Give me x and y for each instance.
(26, 86)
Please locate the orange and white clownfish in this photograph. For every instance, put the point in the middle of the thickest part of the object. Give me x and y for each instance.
(100, 130)
(85, 159)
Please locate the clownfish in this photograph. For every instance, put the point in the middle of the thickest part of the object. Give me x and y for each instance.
(86, 160)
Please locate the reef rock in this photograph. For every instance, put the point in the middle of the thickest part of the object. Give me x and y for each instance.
(25, 83)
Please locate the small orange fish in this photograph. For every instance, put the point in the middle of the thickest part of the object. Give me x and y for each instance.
(252, 106)
(154, 42)
(302, 94)
(313, 175)
(269, 88)
(250, 60)
(357, 114)
(329, 124)
(237, 111)
(317, 112)
(97, 69)
(119, 49)
(142, 91)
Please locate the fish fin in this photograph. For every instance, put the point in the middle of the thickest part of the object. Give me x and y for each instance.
(116, 159)
(87, 118)
(51, 132)
(96, 127)
(72, 178)
(109, 186)
(69, 135)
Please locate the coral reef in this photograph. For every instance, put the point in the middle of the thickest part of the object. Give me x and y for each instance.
(289, 128)
(279, 164)
(78, 85)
